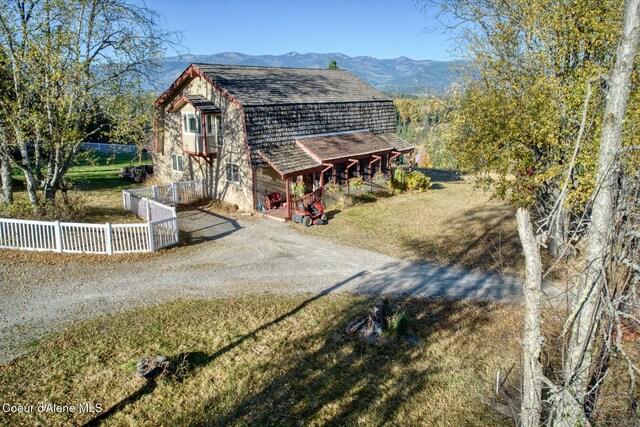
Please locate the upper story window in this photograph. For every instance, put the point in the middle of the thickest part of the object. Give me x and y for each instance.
(214, 127)
(190, 123)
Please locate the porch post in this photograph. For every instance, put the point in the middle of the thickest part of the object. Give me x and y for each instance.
(288, 197)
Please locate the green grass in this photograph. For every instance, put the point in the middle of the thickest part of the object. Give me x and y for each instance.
(98, 171)
(95, 171)
(95, 189)
(273, 360)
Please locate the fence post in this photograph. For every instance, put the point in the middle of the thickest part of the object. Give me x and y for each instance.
(174, 193)
(175, 226)
(202, 187)
(154, 192)
(152, 243)
(148, 208)
(108, 244)
(58, 232)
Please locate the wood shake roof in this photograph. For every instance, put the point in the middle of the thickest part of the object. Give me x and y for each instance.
(343, 145)
(269, 85)
(288, 159)
(310, 152)
(282, 104)
(202, 104)
(274, 125)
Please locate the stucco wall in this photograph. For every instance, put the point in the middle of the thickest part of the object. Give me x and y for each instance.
(233, 151)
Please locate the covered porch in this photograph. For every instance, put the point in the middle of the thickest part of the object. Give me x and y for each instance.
(316, 160)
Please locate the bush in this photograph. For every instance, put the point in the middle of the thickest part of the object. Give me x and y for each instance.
(366, 197)
(380, 178)
(332, 188)
(356, 182)
(21, 208)
(398, 324)
(417, 181)
(299, 188)
(398, 180)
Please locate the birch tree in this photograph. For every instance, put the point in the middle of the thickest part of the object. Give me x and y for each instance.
(62, 57)
(534, 117)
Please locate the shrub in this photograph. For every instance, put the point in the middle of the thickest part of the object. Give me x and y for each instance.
(366, 197)
(398, 324)
(21, 208)
(299, 188)
(332, 188)
(380, 178)
(356, 182)
(398, 180)
(417, 181)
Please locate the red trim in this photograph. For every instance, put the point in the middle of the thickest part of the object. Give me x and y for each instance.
(288, 198)
(327, 167)
(203, 128)
(375, 159)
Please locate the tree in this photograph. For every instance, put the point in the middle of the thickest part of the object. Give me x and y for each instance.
(591, 295)
(333, 65)
(527, 125)
(66, 62)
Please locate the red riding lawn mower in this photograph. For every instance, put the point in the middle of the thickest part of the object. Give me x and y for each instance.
(312, 213)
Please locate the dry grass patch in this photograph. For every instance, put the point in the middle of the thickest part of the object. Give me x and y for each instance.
(452, 224)
(272, 360)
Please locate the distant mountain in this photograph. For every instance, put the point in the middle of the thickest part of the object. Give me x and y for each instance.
(400, 75)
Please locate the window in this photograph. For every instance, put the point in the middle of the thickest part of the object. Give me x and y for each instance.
(176, 163)
(214, 127)
(233, 173)
(191, 123)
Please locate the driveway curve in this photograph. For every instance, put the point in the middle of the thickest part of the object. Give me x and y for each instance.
(226, 257)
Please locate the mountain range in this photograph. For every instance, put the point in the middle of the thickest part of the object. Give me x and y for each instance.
(396, 76)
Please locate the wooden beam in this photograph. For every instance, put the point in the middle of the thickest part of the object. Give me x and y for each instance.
(288, 198)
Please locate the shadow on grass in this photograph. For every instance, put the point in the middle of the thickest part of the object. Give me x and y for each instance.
(343, 380)
(477, 239)
(441, 175)
(348, 381)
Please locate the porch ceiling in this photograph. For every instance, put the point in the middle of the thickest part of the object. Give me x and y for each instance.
(289, 159)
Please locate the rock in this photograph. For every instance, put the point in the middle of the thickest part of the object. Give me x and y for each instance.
(152, 367)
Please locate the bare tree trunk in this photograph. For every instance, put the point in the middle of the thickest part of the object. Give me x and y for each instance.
(5, 177)
(585, 318)
(25, 166)
(532, 339)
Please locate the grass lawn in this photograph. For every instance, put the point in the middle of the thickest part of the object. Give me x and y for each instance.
(272, 360)
(453, 224)
(95, 187)
(278, 360)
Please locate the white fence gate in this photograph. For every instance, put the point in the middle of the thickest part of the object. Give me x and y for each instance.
(160, 231)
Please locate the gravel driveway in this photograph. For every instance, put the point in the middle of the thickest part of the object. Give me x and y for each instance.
(226, 257)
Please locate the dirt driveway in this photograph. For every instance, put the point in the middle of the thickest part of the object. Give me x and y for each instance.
(225, 257)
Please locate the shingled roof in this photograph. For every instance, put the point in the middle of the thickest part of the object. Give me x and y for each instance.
(268, 85)
(202, 104)
(274, 125)
(288, 159)
(344, 144)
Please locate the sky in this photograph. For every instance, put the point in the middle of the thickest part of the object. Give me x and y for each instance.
(382, 29)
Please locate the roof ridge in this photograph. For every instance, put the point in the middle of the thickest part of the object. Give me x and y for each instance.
(269, 67)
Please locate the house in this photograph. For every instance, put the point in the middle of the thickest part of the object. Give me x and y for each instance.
(251, 131)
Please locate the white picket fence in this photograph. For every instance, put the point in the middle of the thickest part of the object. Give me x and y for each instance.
(169, 194)
(160, 230)
(70, 237)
